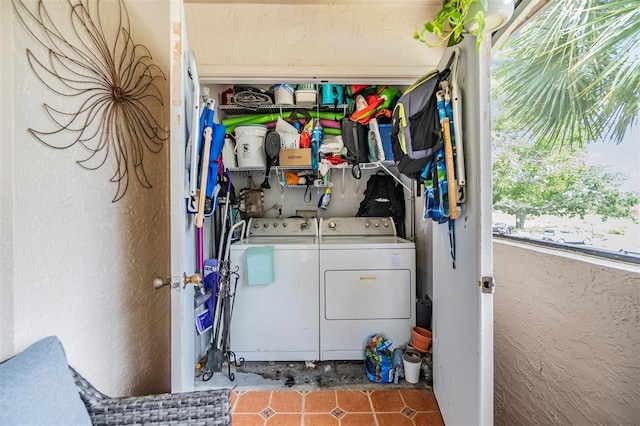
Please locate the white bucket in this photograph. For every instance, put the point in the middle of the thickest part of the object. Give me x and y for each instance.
(412, 362)
(283, 94)
(229, 153)
(250, 145)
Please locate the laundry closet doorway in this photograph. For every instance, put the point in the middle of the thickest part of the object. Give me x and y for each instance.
(462, 306)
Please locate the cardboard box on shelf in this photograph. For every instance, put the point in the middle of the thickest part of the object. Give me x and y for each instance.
(295, 157)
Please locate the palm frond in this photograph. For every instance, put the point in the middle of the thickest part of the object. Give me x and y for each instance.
(573, 73)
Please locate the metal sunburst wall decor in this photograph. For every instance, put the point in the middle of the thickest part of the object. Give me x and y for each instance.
(92, 59)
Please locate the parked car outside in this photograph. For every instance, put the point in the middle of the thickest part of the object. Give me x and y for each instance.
(566, 235)
(502, 228)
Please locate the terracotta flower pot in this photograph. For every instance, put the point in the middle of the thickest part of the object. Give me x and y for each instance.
(421, 338)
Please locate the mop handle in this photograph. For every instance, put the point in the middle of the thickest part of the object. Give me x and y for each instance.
(200, 253)
(203, 180)
(451, 179)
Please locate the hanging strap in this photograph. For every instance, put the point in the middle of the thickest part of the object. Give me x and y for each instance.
(307, 194)
(452, 242)
(355, 169)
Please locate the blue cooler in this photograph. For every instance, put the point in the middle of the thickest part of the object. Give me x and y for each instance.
(385, 136)
(332, 94)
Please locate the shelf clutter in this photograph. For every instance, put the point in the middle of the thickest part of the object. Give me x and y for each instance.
(320, 128)
(313, 114)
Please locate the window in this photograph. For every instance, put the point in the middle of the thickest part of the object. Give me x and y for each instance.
(565, 131)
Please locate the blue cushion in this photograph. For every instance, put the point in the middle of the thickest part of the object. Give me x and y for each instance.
(36, 388)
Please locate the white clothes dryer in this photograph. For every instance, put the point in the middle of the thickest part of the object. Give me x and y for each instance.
(367, 285)
(278, 321)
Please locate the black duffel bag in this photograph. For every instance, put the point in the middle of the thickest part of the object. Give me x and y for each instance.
(354, 136)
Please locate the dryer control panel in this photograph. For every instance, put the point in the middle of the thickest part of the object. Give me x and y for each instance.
(357, 226)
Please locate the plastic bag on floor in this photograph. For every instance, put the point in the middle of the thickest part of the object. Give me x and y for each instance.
(378, 359)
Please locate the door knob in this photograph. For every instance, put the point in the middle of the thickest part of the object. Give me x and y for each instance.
(195, 279)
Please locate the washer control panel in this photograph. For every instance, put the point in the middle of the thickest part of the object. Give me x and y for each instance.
(356, 226)
(283, 227)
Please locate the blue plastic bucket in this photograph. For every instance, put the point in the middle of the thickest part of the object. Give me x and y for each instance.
(385, 136)
(332, 94)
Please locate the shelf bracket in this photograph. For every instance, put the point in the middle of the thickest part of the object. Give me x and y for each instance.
(280, 177)
(396, 178)
(342, 184)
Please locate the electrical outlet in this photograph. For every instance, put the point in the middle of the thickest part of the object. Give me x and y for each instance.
(279, 207)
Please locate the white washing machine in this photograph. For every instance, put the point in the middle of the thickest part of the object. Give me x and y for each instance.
(278, 321)
(367, 285)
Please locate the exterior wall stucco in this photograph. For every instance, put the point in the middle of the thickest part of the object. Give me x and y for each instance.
(76, 265)
(567, 338)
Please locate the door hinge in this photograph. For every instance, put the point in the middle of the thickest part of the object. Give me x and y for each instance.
(487, 284)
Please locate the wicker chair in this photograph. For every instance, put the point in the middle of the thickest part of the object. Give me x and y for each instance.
(191, 408)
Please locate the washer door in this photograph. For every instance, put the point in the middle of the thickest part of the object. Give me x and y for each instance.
(367, 294)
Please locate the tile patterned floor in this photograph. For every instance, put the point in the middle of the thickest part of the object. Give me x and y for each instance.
(395, 407)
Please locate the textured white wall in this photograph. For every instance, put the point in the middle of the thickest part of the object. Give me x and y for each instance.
(311, 40)
(567, 338)
(74, 264)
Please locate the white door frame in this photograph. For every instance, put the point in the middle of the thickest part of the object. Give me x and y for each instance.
(182, 233)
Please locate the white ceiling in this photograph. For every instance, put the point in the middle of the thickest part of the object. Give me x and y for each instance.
(377, 3)
(525, 9)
